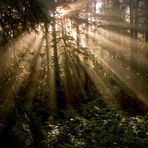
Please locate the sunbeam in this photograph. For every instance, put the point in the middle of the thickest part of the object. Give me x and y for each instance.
(15, 83)
(113, 45)
(129, 78)
(71, 70)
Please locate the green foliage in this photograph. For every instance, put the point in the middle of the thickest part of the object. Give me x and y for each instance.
(17, 16)
(96, 127)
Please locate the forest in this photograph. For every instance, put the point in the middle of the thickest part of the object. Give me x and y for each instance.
(73, 73)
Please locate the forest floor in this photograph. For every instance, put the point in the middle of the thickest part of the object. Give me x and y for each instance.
(93, 125)
(97, 125)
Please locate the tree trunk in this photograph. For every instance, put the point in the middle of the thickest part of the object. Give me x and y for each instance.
(59, 95)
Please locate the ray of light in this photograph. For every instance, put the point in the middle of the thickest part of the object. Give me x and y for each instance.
(34, 69)
(69, 8)
(67, 84)
(124, 52)
(16, 84)
(122, 71)
(12, 50)
(104, 89)
(133, 81)
(76, 64)
(74, 69)
(52, 92)
(108, 19)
